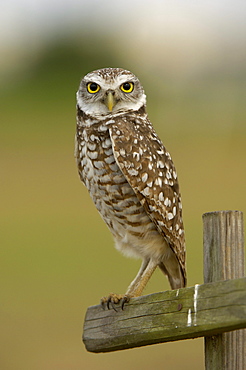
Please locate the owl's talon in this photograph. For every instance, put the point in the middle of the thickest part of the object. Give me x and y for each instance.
(102, 303)
(113, 306)
(114, 299)
(124, 300)
(110, 300)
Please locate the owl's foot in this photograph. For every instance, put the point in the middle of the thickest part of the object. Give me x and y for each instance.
(114, 299)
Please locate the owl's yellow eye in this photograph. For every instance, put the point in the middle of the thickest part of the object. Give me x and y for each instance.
(92, 87)
(127, 87)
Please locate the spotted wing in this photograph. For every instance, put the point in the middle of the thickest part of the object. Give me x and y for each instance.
(150, 171)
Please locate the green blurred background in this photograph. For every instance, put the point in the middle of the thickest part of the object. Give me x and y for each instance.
(57, 256)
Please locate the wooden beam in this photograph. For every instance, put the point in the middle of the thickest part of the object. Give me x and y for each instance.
(223, 241)
(192, 312)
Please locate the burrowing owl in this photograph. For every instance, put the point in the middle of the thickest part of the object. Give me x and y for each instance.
(130, 176)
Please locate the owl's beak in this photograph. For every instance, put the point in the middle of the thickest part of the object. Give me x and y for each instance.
(110, 100)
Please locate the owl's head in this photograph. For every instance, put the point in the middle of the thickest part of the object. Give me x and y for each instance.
(109, 91)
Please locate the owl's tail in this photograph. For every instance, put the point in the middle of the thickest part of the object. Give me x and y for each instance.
(173, 270)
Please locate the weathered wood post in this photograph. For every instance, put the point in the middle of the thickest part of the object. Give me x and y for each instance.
(224, 259)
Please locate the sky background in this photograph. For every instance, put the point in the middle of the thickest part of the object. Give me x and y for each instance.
(201, 33)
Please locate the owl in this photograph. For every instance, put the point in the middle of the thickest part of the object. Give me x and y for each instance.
(130, 177)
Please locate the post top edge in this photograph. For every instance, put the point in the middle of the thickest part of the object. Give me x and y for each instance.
(222, 212)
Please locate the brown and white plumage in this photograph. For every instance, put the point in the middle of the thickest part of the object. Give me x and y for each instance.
(130, 176)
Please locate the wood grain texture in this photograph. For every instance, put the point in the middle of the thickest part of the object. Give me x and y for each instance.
(223, 241)
(192, 312)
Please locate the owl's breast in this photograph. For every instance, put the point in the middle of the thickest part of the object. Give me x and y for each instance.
(96, 163)
(113, 196)
(100, 173)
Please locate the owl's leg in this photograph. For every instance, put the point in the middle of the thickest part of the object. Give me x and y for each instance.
(135, 288)
(138, 277)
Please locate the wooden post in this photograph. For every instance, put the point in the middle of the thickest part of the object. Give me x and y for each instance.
(224, 259)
